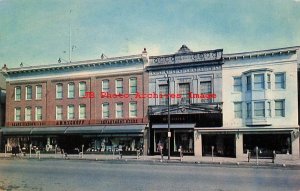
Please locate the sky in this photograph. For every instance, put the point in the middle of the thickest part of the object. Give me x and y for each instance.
(37, 32)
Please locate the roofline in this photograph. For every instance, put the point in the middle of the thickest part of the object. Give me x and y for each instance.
(72, 64)
(188, 53)
(261, 52)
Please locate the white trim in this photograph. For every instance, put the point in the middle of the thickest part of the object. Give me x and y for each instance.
(16, 112)
(129, 108)
(16, 93)
(58, 84)
(60, 106)
(106, 103)
(121, 103)
(36, 91)
(129, 83)
(69, 89)
(36, 108)
(79, 86)
(26, 98)
(119, 79)
(102, 84)
(68, 114)
(26, 110)
(79, 113)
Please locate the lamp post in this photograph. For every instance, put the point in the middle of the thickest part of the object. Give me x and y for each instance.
(169, 132)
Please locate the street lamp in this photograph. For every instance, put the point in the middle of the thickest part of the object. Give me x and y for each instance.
(169, 132)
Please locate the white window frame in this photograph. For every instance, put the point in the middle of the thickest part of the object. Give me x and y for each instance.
(69, 91)
(26, 91)
(260, 83)
(27, 109)
(36, 113)
(116, 84)
(57, 92)
(69, 106)
(237, 85)
(18, 87)
(239, 112)
(264, 109)
(80, 114)
(283, 109)
(56, 113)
(105, 104)
(122, 109)
(282, 82)
(130, 82)
(15, 116)
(36, 92)
(131, 109)
(104, 90)
(80, 89)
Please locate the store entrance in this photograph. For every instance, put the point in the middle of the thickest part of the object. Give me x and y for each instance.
(223, 145)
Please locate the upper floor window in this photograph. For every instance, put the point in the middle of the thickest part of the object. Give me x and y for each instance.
(28, 92)
(259, 109)
(59, 91)
(132, 85)
(38, 113)
(71, 112)
(163, 90)
(280, 81)
(184, 89)
(132, 109)
(259, 82)
(269, 81)
(248, 82)
(249, 111)
(71, 90)
(205, 89)
(279, 108)
(82, 89)
(238, 110)
(119, 86)
(17, 114)
(237, 84)
(105, 85)
(268, 109)
(119, 110)
(38, 92)
(105, 110)
(17, 93)
(59, 112)
(82, 111)
(28, 114)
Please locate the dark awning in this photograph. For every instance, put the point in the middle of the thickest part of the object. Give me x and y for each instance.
(106, 129)
(48, 130)
(174, 126)
(16, 130)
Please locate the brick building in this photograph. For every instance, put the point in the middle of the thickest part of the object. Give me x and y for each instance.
(92, 103)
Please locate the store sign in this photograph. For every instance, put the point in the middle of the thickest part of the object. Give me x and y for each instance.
(16, 124)
(73, 122)
(119, 121)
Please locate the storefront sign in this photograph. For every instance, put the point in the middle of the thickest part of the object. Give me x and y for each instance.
(118, 121)
(16, 124)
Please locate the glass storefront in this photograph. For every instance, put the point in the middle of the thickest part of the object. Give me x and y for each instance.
(185, 140)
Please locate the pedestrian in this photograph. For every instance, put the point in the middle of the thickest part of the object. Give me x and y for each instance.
(160, 149)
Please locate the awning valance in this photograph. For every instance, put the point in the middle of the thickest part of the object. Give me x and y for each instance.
(16, 131)
(174, 126)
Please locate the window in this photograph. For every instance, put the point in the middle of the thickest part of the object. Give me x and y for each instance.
(71, 90)
(238, 110)
(132, 85)
(59, 91)
(59, 112)
(237, 84)
(259, 82)
(82, 89)
(205, 89)
(119, 86)
(280, 81)
(268, 109)
(184, 90)
(82, 111)
(269, 81)
(119, 110)
(279, 108)
(163, 90)
(105, 85)
(38, 92)
(28, 114)
(248, 82)
(71, 114)
(105, 110)
(38, 113)
(17, 114)
(259, 109)
(249, 111)
(17, 93)
(132, 109)
(28, 92)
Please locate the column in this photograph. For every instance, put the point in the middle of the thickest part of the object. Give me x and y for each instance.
(295, 143)
(197, 144)
(239, 145)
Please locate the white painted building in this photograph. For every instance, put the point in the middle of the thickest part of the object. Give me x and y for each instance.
(260, 100)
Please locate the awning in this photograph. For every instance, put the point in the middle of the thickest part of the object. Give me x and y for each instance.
(126, 129)
(174, 126)
(48, 130)
(16, 130)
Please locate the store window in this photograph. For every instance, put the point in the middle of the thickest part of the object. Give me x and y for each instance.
(185, 140)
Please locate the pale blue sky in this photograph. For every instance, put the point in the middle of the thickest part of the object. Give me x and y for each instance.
(37, 31)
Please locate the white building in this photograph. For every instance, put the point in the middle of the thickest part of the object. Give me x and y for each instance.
(260, 100)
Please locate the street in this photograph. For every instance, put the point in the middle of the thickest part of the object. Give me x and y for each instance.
(20, 174)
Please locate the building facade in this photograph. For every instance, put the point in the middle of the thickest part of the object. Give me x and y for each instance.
(194, 81)
(91, 103)
(260, 102)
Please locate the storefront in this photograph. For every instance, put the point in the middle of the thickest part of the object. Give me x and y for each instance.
(222, 145)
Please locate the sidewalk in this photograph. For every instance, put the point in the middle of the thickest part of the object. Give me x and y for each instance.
(282, 161)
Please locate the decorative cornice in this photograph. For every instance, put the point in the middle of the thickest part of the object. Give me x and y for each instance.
(261, 53)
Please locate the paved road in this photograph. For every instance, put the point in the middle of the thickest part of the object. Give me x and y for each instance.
(95, 175)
